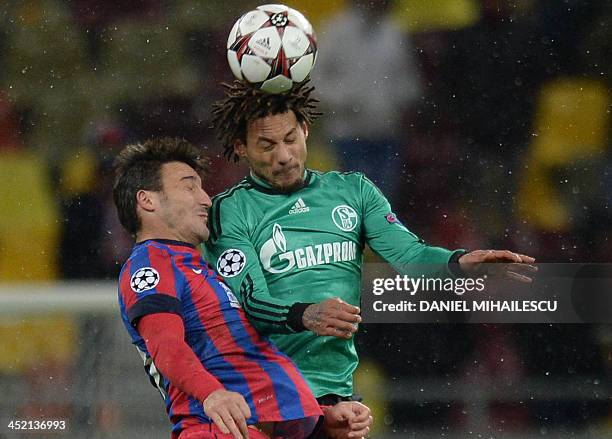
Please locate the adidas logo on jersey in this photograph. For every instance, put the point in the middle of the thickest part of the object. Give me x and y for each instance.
(299, 207)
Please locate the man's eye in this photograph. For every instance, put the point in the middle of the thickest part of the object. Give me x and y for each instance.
(290, 140)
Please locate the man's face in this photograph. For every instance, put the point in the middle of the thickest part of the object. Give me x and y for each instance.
(183, 203)
(276, 150)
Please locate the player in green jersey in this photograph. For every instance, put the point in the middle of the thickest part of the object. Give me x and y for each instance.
(291, 239)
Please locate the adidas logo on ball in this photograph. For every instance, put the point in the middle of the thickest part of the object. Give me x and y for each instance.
(264, 42)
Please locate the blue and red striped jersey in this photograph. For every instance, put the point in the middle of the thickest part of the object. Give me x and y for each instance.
(171, 276)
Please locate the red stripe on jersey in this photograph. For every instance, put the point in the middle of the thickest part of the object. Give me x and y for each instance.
(127, 293)
(307, 400)
(254, 375)
(161, 260)
(180, 403)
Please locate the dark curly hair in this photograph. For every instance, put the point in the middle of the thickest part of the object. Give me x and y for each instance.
(138, 167)
(243, 104)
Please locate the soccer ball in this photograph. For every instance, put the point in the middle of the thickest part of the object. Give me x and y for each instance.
(272, 47)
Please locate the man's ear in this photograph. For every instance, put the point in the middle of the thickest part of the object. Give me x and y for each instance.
(305, 129)
(146, 200)
(240, 148)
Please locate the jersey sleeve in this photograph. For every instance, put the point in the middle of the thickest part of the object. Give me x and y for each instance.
(149, 284)
(397, 245)
(230, 242)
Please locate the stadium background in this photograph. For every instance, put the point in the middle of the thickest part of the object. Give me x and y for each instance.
(492, 131)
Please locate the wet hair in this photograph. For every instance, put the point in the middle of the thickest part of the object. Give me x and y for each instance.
(138, 167)
(243, 104)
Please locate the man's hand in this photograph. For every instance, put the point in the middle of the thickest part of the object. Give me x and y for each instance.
(229, 411)
(332, 317)
(512, 265)
(346, 420)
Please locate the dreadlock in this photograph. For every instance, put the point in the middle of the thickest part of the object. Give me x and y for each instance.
(243, 104)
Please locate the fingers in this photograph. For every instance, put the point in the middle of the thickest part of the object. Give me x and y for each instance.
(234, 429)
(231, 421)
(334, 332)
(342, 325)
(240, 420)
(220, 423)
(499, 256)
(337, 328)
(361, 413)
(526, 259)
(229, 411)
(518, 277)
(244, 408)
(520, 272)
(360, 420)
(348, 308)
(333, 317)
(349, 317)
(359, 433)
(358, 426)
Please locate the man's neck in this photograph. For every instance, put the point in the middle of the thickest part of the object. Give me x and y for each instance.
(157, 234)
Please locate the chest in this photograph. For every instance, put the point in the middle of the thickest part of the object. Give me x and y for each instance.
(302, 231)
(206, 300)
(300, 220)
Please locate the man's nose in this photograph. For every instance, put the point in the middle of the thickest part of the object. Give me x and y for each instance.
(205, 199)
(283, 154)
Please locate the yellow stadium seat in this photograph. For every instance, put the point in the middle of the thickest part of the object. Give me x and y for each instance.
(436, 15)
(30, 224)
(571, 121)
(571, 125)
(322, 158)
(28, 343)
(317, 11)
(370, 379)
(29, 220)
(78, 173)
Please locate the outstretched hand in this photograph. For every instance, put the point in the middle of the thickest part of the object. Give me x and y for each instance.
(498, 263)
(347, 420)
(332, 317)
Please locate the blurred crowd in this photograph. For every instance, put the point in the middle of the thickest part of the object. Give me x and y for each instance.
(485, 122)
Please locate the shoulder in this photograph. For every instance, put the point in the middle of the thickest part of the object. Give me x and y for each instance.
(150, 257)
(232, 194)
(229, 209)
(351, 177)
(348, 182)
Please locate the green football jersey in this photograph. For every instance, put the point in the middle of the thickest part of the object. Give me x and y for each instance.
(278, 249)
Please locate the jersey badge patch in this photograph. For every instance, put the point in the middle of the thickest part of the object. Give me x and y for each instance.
(233, 301)
(144, 279)
(345, 217)
(231, 262)
(391, 218)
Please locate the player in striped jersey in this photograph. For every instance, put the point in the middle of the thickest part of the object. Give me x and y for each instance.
(217, 376)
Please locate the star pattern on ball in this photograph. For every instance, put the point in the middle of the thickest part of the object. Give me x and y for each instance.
(231, 262)
(144, 279)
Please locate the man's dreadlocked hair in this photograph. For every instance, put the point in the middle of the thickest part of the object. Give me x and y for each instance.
(243, 104)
